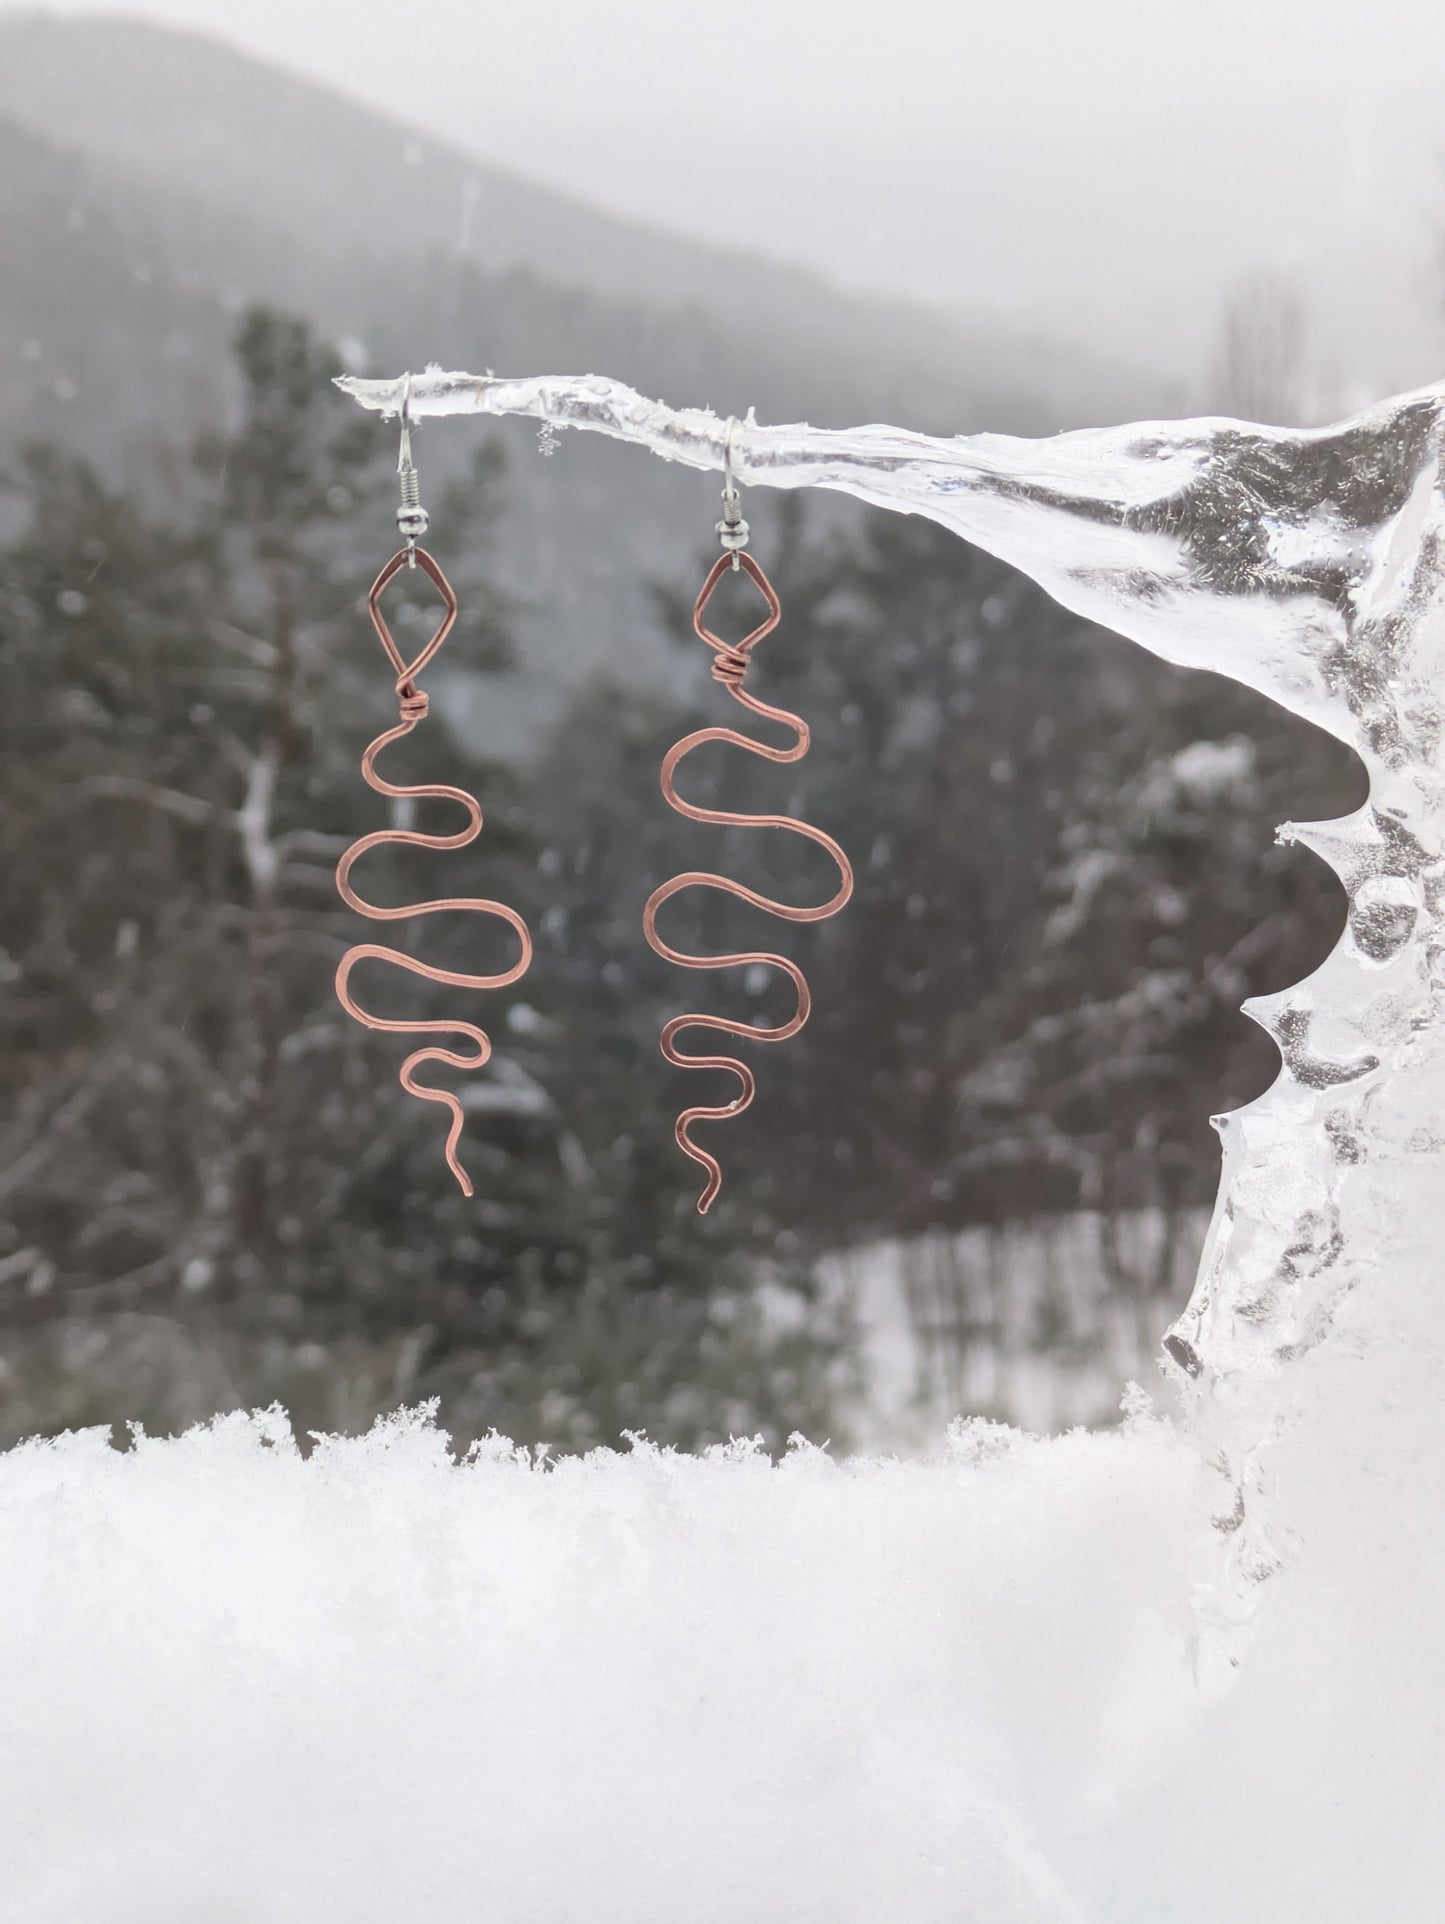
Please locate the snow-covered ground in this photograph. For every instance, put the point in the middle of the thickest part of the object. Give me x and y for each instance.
(243, 1687)
(374, 1685)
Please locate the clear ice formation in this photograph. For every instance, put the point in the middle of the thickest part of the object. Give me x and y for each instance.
(1307, 565)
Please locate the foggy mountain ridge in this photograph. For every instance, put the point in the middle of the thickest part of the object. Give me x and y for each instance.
(151, 182)
(162, 107)
(1137, 231)
(115, 308)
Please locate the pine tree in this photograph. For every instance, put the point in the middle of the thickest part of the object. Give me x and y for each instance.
(201, 1137)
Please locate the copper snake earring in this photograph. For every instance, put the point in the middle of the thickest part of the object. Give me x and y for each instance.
(730, 668)
(413, 704)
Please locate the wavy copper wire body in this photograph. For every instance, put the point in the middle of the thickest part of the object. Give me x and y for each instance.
(730, 668)
(413, 709)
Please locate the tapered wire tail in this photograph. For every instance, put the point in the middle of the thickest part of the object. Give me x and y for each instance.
(730, 668)
(413, 704)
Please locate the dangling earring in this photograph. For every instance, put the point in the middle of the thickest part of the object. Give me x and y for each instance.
(411, 520)
(730, 667)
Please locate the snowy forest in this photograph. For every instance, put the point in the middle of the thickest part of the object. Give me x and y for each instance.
(212, 1193)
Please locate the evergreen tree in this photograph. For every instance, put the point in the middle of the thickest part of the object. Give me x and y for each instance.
(200, 1135)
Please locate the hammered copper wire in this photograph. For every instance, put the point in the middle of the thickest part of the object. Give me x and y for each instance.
(730, 668)
(413, 704)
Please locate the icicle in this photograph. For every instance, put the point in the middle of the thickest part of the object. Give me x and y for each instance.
(1306, 565)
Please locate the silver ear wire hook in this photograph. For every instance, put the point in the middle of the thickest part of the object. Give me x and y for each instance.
(732, 529)
(411, 516)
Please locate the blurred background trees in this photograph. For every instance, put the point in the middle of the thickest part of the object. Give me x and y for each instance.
(196, 1135)
(213, 1190)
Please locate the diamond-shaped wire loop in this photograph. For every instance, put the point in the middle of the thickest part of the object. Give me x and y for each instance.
(723, 565)
(407, 671)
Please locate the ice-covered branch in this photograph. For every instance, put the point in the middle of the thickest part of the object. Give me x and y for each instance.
(1198, 539)
(1074, 511)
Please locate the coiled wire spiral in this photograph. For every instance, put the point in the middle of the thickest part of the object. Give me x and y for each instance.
(730, 668)
(413, 704)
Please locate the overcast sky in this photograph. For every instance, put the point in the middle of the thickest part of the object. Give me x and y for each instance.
(870, 66)
(855, 66)
(1105, 168)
